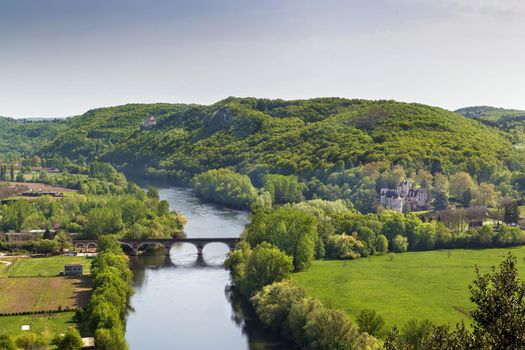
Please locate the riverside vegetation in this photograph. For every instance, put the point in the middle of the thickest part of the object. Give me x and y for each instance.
(311, 171)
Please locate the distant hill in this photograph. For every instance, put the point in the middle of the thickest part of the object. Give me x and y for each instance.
(25, 137)
(309, 138)
(509, 120)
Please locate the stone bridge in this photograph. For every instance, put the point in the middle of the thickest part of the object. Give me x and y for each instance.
(90, 245)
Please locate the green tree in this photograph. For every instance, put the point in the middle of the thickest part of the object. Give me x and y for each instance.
(6, 342)
(71, 340)
(265, 265)
(289, 229)
(381, 244)
(511, 213)
(499, 316)
(416, 333)
(274, 302)
(283, 189)
(400, 244)
(371, 322)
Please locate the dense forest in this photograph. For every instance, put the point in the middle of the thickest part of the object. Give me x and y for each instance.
(327, 148)
(509, 120)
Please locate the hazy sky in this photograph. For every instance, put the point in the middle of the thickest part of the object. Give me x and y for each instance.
(63, 57)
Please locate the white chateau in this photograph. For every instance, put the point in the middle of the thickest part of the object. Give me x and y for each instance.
(405, 198)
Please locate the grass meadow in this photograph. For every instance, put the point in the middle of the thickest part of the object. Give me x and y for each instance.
(49, 266)
(422, 285)
(46, 326)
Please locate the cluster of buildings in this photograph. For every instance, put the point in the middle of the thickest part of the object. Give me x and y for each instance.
(405, 198)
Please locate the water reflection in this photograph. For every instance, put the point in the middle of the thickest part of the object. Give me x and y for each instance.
(182, 301)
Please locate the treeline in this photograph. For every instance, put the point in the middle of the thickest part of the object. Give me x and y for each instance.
(359, 186)
(135, 214)
(329, 229)
(112, 290)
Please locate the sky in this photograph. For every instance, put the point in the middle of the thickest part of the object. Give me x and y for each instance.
(61, 57)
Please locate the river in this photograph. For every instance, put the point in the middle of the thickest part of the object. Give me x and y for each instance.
(183, 303)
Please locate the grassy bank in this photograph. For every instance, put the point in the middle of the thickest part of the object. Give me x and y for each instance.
(424, 285)
(50, 266)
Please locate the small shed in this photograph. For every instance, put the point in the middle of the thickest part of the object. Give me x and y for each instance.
(73, 270)
(88, 343)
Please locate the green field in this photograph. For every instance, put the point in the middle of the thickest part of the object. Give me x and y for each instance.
(50, 266)
(45, 325)
(423, 285)
(43, 293)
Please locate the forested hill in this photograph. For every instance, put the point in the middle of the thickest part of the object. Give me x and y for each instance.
(509, 120)
(19, 136)
(306, 137)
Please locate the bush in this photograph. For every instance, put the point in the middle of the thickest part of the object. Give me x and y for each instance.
(400, 244)
(71, 340)
(345, 247)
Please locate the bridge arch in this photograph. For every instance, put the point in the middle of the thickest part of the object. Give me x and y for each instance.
(127, 248)
(91, 247)
(80, 247)
(156, 244)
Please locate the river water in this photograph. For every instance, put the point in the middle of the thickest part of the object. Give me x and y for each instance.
(181, 302)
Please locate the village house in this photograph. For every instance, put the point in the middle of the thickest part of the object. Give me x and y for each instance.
(405, 198)
(149, 122)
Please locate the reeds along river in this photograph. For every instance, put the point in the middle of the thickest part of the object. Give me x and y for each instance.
(181, 302)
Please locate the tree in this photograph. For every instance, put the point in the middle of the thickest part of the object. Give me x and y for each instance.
(64, 240)
(461, 183)
(265, 265)
(499, 316)
(381, 244)
(274, 302)
(71, 340)
(283, 189)
(289, 229)
(6, 342)
(345, 247)
(12, 173)
(163, 208)
(511, 212)
(36, 161)
(331, 329)
(400, 244)
(110, 339)
(415, 333)
(45, 246)
(371, 322)
(440, 200)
